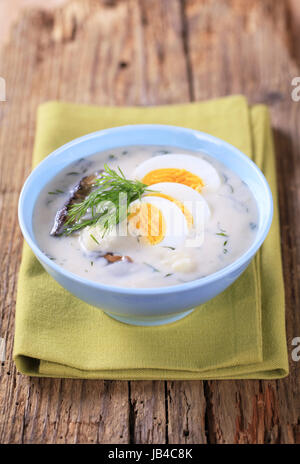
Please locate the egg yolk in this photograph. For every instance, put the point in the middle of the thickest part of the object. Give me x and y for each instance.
(188, 216)
(181, 176)
(148, 221)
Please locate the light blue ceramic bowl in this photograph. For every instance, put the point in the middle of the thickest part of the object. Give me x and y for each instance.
(149, 306)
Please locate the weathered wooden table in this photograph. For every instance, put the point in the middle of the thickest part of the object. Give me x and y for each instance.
(143, 53)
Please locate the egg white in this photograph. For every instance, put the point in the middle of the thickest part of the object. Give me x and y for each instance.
(176, 224)
(203, 169)
(186, 195)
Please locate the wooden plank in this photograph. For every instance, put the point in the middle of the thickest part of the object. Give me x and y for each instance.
(187, 413)
(162, 51)
(147, 420)
(239, 47)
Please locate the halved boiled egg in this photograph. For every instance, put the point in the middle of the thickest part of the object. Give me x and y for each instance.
(158, 221)
(191, 203)
(189, 170)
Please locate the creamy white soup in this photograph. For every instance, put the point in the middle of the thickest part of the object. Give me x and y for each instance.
(193, 218)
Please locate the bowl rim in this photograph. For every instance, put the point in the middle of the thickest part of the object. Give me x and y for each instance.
(189, 285)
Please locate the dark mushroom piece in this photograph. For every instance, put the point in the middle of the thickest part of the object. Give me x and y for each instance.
(111, 258)
(81, 190)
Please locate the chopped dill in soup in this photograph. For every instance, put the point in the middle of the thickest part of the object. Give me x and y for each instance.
(145, 216)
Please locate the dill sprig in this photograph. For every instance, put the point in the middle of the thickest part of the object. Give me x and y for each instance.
(102, 206)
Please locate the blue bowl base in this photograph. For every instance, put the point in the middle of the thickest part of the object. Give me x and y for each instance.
(149, 321)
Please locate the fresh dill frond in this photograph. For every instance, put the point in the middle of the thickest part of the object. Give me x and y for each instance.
(107, 204)
(154, 269)
(94, 238)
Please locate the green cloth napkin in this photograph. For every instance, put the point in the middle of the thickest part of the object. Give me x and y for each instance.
(238, 334)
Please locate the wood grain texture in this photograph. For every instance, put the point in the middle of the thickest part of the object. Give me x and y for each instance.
(131, 52)
(10, 10)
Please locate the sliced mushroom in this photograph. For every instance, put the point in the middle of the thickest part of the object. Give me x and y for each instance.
(111, 258)
(81, 190)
